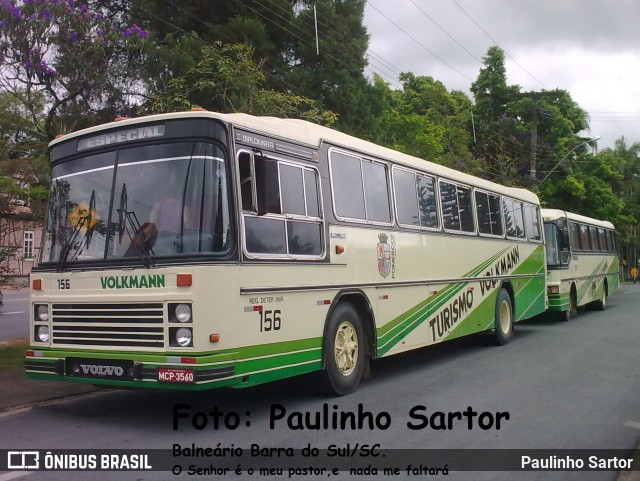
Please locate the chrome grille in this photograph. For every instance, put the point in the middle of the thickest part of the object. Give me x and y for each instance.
(118, 325)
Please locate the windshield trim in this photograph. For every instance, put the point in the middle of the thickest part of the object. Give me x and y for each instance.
(216, 163)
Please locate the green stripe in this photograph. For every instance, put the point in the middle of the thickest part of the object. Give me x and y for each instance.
(529, 297)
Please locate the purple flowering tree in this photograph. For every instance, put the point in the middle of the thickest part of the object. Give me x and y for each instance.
(82, 58)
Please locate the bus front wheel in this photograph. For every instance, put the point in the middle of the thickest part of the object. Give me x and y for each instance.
(344, 349)
(504, 318)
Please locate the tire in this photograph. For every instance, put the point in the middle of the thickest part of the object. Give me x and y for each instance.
(573, 303)
(344, 349)
(563, 316)
(601, 304)
(504, 318)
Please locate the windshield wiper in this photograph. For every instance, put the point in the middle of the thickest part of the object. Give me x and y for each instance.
(129, 220)
(83, 220)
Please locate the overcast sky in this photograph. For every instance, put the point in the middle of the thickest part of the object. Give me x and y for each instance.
(590, 48)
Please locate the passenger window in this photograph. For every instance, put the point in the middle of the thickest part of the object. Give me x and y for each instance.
(289, 194)
(603, 240)
(360, 188)
(593, 235)
(267, 186)
(457, 207)
(404, 184)
(348, 192)
(575, 236)
(427, 201)
(376, 192)
(292, 187)
(449, 202)
(513, 218)
(415, 199)
(531, 221)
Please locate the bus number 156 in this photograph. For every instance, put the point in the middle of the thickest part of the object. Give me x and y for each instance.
(270, 320)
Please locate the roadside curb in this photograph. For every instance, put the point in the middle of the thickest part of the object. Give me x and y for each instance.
(18, 392)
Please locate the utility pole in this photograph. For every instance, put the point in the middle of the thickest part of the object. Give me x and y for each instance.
(534, 141)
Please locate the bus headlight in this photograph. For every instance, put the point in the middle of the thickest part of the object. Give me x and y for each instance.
(42, 334)
(42, 312)
(183, 312)
(180, 312)
(184, 337)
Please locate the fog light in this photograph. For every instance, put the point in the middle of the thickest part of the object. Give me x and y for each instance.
(43, 312)
(42, 334)
(183, 312)
(184, 337)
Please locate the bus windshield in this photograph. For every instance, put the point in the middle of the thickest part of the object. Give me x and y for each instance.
(551, 244)
(140, 202)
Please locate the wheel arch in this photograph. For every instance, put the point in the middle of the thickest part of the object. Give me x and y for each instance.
(507, 286)
(360, 301)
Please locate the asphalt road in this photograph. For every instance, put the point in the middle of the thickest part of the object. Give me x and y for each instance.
(573, 385)
(14, 321)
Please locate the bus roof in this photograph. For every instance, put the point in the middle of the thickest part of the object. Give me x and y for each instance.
(314, 135)
(553, 214)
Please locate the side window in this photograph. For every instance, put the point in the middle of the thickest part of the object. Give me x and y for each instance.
(415, 199)
(611, 237)
(360, 188)
(267, 186)
(593, 235)
(496, 215)
(602, 236)
(292, 188)
(584, 238)
(245, 163)
(348, 191)
(574, 231)
(483, 213)
(457, 207)
(404, 187)
(449, 203)
(513, 218)
(488, 213)
(531, 222)
(376, 192)
(281, 208)
(427, 201)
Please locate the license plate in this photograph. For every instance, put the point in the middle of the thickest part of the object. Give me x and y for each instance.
(169, 374)
(99, 368)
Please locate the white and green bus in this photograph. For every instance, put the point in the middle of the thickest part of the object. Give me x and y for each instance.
(196, 250)
(582, 263)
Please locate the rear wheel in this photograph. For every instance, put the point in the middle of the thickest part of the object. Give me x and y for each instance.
(573, 302)
(601, 304)
(344, 349)
(504, 318)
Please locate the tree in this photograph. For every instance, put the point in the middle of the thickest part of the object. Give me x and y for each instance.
(521, 134)
(427, 121)
(226, 79)
(78, 56)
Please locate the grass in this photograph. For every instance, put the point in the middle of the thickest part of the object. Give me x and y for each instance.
(12, 354)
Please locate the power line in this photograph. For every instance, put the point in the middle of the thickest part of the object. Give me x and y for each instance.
(299, 29)
(392, 71)
(419, 43)
(444, 31)
(496, 43)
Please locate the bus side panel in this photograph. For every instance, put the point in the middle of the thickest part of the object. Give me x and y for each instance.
(461, 308)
